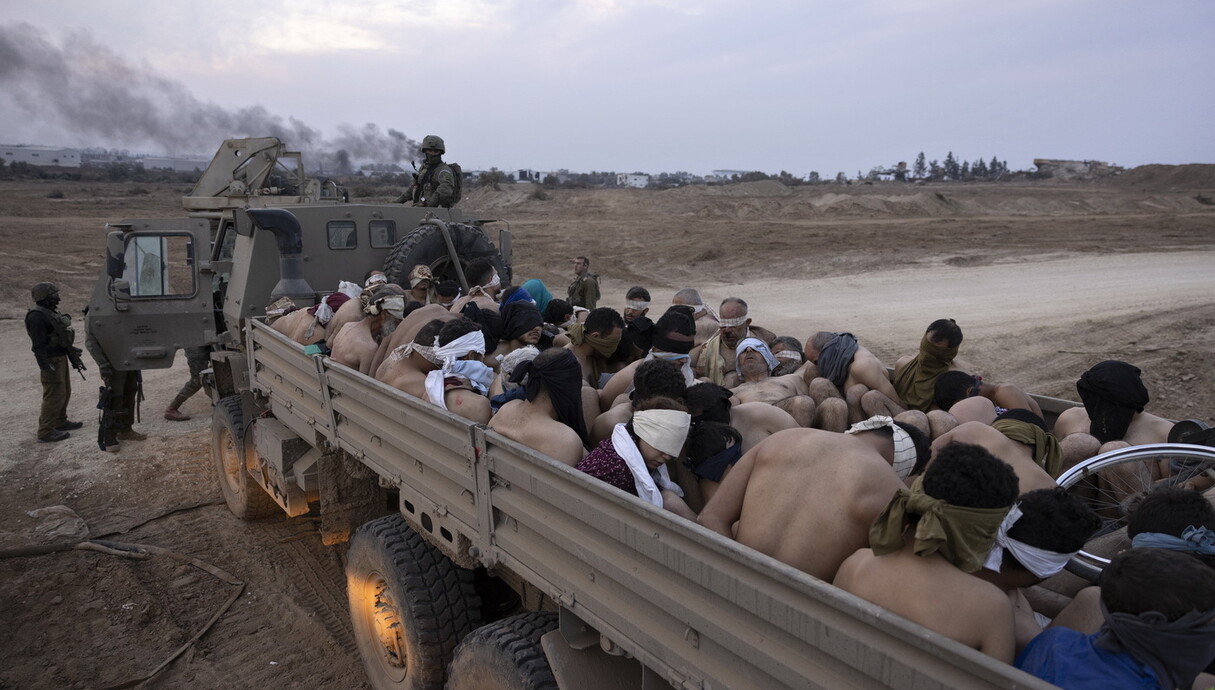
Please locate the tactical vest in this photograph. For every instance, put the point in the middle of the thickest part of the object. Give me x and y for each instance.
(62, 334)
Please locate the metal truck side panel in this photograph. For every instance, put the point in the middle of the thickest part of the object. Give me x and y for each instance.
(681, 598)
(289, 379)
(697, 609)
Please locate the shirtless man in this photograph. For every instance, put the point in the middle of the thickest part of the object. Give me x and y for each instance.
(1112, 417)
(783, 491)
(671, 340)
(706, 320)
(915, 377)
(855, 372)
(714, 360)
(407, 331)
(356, 344)
(352, 310)
(421, 281)
(549, 418)
(1038, 537)
(790, 392)
(309, 326)
(594, 342)
(447, 372)
(446, 293)
(1019, 455)
(754, 421)
(911, 570)
(522, 325)
(485, 282)
(638, 328)
(789, 353)
(653, 378)
(970, 399)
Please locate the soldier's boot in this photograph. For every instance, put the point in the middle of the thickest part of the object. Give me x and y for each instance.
(55, 435)
(131, 435)
(174, 415)
(111, 441)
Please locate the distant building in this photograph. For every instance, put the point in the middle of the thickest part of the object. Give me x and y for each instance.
(725, 175)
(174, 164)
(525, 175)
(632, 180)
(41, 155)
(1074, 170)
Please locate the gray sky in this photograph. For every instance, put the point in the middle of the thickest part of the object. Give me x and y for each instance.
(625, 85)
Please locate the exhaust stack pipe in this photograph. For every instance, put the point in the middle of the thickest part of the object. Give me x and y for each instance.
(286, 230)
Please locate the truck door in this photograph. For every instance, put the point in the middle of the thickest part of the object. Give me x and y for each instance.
(155, 295)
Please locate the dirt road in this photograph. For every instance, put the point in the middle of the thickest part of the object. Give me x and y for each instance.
(1041, 296)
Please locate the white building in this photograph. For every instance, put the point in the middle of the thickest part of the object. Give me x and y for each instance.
(632, 180)
(41, 155)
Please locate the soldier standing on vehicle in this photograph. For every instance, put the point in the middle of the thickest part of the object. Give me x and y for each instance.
(51, 338)
(435, 184)
(584, 291)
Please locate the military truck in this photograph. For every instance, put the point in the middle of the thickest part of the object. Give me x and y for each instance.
(472, 562)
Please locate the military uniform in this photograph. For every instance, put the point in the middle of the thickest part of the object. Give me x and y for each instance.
(125, 387)
(435, 184)
(51, 340)
(198, 359)
(584, 291)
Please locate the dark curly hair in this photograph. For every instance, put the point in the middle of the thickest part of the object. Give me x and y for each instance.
(968, 476)
(658, 378)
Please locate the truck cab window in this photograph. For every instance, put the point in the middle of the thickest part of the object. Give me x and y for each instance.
(383, 233)
(342, 234)
(160, 266)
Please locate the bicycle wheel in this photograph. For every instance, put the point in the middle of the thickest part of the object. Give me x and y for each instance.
(1114, 482)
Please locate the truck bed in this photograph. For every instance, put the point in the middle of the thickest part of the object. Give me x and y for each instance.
(696, 609)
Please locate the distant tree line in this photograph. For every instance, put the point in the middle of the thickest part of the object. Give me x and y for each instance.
(117, 172)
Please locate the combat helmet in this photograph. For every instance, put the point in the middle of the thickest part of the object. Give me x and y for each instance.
(41, 291)
(431, 141)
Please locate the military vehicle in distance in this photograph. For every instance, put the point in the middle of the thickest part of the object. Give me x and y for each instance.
(478, 563)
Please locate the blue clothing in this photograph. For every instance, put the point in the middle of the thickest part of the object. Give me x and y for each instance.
(539, 292)
(1070, 660)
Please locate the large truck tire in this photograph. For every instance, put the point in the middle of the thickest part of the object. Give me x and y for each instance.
(229, 452)
(425, 245)
(409, 604)
(505, 655)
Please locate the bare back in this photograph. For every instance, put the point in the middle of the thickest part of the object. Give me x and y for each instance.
(931, 591)
(1145, 428)
(351, 310)
(1030, 475)
(408, 329)
(787, 490)
(523, 423)
(869, 371)
(757, 421)
(301, 327)
(354, 346)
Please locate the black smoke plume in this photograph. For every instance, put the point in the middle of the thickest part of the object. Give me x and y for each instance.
(86, 89)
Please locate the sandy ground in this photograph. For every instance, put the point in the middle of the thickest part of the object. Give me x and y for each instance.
(1046, 279)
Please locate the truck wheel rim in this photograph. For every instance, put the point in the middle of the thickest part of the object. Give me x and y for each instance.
(385, 623)
(231, 461)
